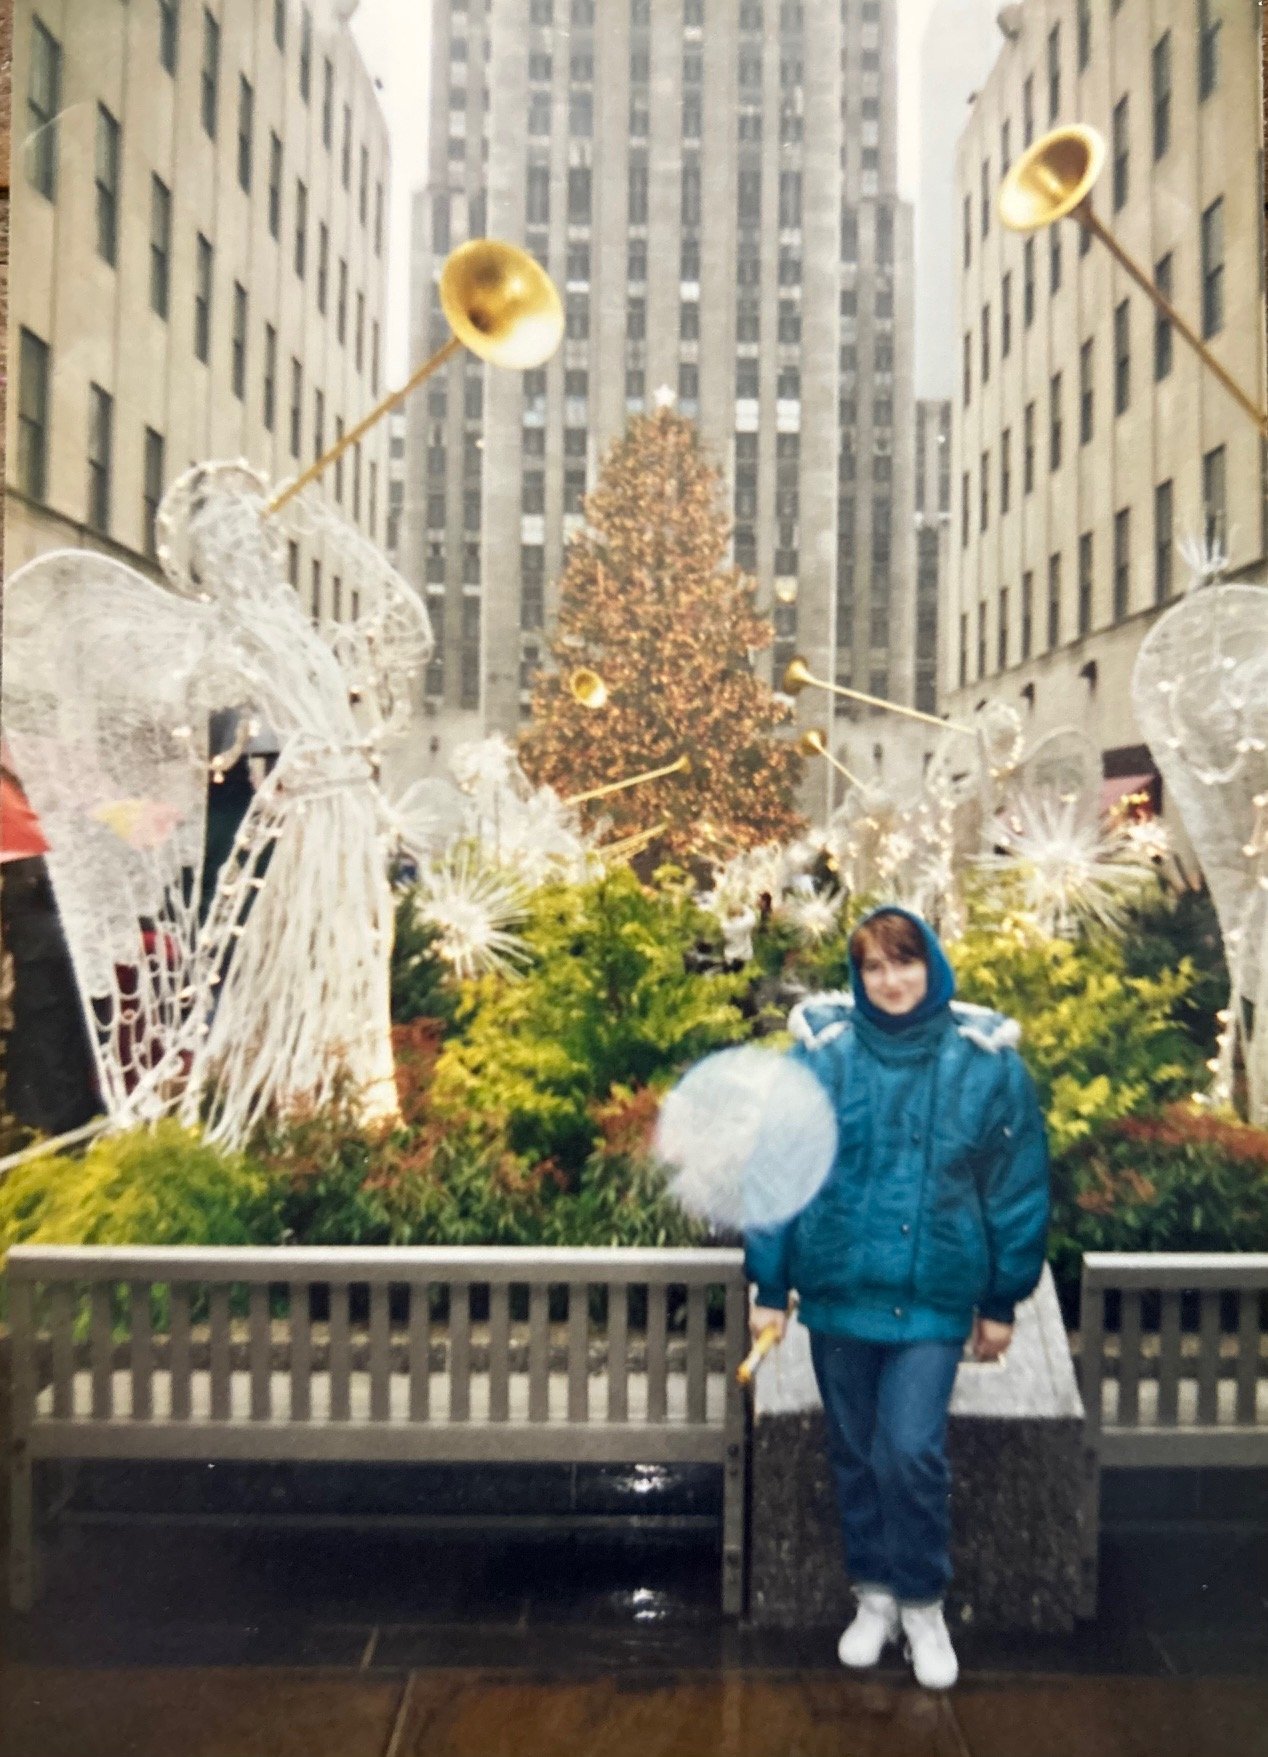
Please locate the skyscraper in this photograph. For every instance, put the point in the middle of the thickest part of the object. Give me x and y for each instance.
(1088, 441)
(712, 184)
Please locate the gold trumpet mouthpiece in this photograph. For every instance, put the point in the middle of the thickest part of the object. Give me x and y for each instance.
(587, 687)
(1052, 178)
(501, 303)
(813, 742)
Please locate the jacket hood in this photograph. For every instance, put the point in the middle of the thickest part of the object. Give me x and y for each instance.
(941, 987)
(821, 1018)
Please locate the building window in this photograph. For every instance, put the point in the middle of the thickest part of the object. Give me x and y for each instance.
(339, 460)
(327, 102)
(107, 185)
(539, 195)
(986, 198)
(1001, 651)
(363, 186)
(378, 217)
(1162, 324)
(374, 357)
(270, 377)
(1208, 48)
(323, 266)
(981, 639)
(1054, 601)
(1005, 470)
(1085, 393)
(1162, 94)
(579, 194)
(319, 424)
(1214, 504)
(1085, 583)
(1028, 449)
(315, 600)
(279, 33)
(1028, 110)
(246, 133)
(1120, 154)
(1213, 269)
(1122, 356)
(209, 82)
(305, 53)
(43, 101)
(1054, 260)
(301, 228)
(169, 24)
(345, 149)
(964, 648)
(968, 231)
(1027, 613)
(986, 344)
(984, 492)
(275, 185)
(968, 368)
(1054, 74)
(239, 351)
(1006, 316)
(202, 300)
(1028, 282)
(1085, 33)
(341, 302)
(160, 246)
(1164, 541)
(297, 406)
(358, 334)
(1122, 563)
(964, 511)
(33, 377)
(152, 488)
(100, 456)
(1054, 422)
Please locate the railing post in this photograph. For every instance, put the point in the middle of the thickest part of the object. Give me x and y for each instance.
(1091, 1372)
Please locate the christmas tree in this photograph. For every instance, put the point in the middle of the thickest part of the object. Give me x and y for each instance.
(648, 602)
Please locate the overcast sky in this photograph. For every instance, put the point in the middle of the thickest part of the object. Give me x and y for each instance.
(394, 39)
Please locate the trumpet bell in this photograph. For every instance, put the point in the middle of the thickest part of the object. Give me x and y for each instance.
(813, 742)
(1051, 178)
(587, 687)
(501, 304)
(796, 677)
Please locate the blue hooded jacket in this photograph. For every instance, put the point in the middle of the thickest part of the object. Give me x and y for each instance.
(937, 1203)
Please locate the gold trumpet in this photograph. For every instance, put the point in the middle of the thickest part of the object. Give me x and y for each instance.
(625, 846)
(814, 742)
(1054, 178)
(798, 676)
(766, 1340)
(499, 302)
(677, 768)
(587, 687)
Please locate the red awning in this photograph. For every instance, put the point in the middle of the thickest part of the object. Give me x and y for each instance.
(20, 833)
(1117, 787)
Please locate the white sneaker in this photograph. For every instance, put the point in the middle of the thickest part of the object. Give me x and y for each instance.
(875, 1623)
(929, 1646)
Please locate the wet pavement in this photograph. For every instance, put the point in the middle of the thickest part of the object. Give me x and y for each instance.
(223, 1642)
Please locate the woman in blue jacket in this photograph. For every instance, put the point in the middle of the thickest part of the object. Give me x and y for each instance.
(931, 1226)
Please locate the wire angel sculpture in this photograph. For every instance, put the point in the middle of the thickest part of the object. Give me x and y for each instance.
(221, 993)
(1200, 690)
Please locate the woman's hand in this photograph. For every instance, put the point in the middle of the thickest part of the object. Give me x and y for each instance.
(762, 1317)
(990, 1339)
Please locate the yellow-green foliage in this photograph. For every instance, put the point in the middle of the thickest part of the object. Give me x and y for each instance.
(1100, 1042)
(607, 1001)
(152, 1186)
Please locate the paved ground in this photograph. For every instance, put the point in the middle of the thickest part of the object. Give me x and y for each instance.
(215, 1643)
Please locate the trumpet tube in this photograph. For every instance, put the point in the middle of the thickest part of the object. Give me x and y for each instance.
(630, 781)
(798, 677)
(766, 1340)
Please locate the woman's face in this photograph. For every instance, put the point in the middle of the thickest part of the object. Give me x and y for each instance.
(895, 985)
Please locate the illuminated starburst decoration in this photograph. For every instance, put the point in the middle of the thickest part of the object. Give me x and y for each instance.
(474, 908)
(815, 916)
(1205, 557)
(1070, 873)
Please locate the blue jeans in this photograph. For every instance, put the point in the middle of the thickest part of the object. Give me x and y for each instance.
(886, 1408)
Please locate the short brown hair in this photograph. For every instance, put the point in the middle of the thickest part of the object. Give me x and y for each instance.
(892, 935)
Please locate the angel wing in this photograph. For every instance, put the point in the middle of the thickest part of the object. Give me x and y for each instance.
(1200, 691)
(109, 687)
